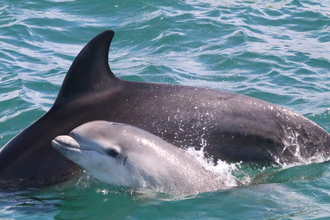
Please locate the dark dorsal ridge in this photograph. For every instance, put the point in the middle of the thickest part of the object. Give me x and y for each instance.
(90, 70)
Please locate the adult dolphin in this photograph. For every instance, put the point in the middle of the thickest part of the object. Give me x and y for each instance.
(229, 126)
(124, 155)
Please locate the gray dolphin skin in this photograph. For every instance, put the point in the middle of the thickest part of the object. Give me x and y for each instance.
(229, 126)
(123, 155)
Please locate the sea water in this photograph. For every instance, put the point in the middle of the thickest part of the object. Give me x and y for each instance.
(275, 50)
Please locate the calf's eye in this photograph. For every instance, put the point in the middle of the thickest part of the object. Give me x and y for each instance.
(112, 152)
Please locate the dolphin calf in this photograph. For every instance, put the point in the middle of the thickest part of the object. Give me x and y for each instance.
(123, 155)
(228, 126)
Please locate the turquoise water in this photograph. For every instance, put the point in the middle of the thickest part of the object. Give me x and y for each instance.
(275, 50)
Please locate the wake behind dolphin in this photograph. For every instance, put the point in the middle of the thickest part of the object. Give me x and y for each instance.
(124, 155)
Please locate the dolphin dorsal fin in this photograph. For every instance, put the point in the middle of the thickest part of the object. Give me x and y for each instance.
(90, 70)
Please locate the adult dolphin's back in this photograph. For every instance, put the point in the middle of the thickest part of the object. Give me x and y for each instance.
(230, 126)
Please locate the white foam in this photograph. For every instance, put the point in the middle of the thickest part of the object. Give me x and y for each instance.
(291, 144)
(222, 170)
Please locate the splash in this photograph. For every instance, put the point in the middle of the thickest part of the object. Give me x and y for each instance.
(222, 170)
(291, 145)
